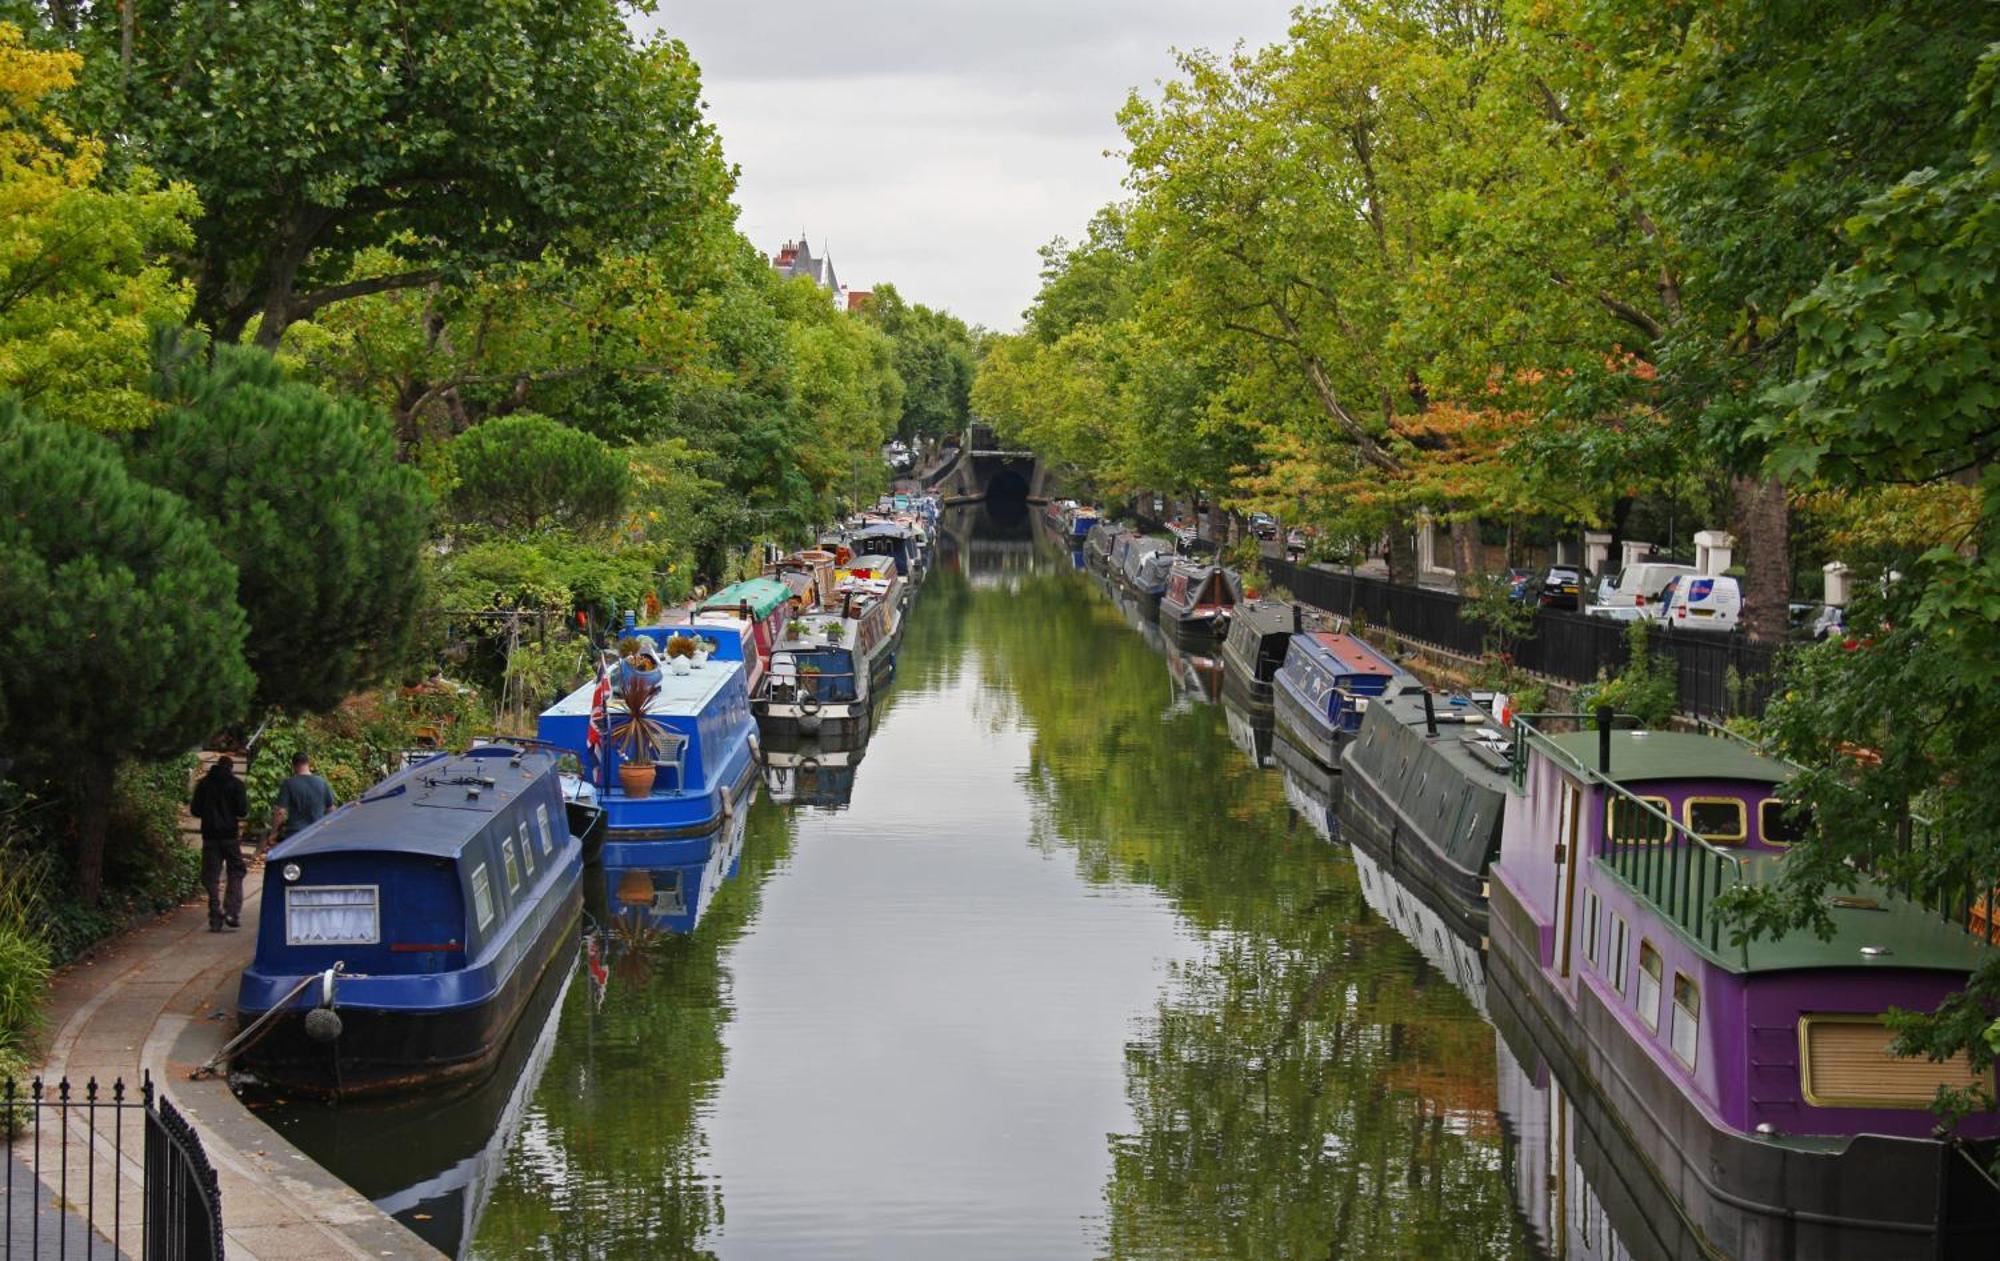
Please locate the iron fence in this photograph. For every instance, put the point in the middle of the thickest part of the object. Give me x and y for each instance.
(104, 1172)
(1719, 676)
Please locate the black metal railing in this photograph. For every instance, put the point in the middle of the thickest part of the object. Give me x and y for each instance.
(67, 1193)
(1718, 675)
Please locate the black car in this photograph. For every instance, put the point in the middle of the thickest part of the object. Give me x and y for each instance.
(1562, 588)
(1263, 526)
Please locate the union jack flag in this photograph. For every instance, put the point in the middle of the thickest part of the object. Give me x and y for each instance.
(595, 736)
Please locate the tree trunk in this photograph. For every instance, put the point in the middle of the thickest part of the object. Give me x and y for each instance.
(1402, 553)
(93, 781)
(1468, 557)
(1218, 524)
(1763, 534)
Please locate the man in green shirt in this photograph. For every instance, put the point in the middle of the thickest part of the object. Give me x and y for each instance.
(303, 800)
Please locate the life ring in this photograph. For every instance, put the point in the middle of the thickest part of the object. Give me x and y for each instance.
(809, 704)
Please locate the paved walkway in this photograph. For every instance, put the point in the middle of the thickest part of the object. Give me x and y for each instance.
(159, 1000)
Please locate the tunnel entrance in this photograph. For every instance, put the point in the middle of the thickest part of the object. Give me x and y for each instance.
(1007, 486)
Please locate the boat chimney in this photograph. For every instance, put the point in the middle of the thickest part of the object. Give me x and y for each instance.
(1430, 715)
(1298, 618)
(1604, 739)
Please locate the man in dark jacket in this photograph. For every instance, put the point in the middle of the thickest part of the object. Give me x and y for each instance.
(221, 805)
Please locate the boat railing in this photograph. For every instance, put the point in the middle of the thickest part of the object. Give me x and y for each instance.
(1681, 873)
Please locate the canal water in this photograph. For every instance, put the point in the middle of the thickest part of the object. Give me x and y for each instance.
(1072, 965)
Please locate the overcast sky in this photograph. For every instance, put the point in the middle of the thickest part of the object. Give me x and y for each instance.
(937, 143)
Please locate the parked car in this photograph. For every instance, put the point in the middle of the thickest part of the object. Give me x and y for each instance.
(1299, 541)
(1562, 588)
(1702, 604)
(1829, 622)
(1263, 525)
(1639, 590)
(1519, 581)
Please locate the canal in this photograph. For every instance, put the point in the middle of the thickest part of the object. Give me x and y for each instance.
(1072, 965)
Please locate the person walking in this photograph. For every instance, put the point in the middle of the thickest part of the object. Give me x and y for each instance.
(303, 800)
(220, 805)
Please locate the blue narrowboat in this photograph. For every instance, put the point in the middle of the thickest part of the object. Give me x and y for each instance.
(887, 538)
(402, 937)
(705, 774)
(1322, 689)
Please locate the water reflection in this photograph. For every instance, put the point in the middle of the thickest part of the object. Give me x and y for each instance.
(1311, 790)
(1066, 977)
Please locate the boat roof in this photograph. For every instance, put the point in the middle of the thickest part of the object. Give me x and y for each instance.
(680, 695)
(879, 529)
(1345, 653)
(763, 595)
(434, 808)
(1265, 617)
(1912, 936)
(1641, 756)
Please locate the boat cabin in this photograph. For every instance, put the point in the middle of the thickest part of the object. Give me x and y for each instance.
(887, 539)
(1331, 677)
(1619, 845)
(1260, 635)
(1146, 566)
(764, 603)
(1195, 590)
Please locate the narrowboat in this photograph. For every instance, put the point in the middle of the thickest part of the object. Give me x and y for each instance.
(1425, 788)
(1097, 548)
(1755, 1073)
(1145, 570)
(667, 887)
(764, 604)
(833, 662)
(707, 765)
(1195, 607)
(1078, 523)
(419, 920)
(887, 538)
(1260, 635)
(1324, 686)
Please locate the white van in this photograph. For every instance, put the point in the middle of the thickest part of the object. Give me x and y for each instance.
(1639, 590)
(1703, 604)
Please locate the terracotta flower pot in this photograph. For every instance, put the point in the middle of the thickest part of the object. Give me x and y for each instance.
(636, 779)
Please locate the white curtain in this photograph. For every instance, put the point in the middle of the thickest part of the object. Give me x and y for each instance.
(331, 916)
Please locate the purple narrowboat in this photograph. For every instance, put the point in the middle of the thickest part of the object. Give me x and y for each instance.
(1754, 1077)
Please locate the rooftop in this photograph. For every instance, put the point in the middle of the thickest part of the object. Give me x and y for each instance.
(1348, 653)
(1640, 756)
(432, 808)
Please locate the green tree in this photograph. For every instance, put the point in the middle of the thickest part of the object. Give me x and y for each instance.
(303, 493)
(934, 358)
(84, 257)
(527, 473)
(120, 635)
(464, 135)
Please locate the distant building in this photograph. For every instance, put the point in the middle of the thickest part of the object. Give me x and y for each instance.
(858, 298)
(796, 259)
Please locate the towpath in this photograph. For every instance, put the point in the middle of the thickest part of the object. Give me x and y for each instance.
(159, 1000)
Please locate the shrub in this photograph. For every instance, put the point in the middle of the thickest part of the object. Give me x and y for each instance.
(529, 473)
(1646, 688)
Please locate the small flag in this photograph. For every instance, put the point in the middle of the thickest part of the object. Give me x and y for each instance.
(598, 696)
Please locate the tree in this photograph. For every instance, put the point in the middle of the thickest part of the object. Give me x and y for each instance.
(84, 272)
(1897, 380)
(934, 359)
(463, 135)
(120, 635)
(526, 473)
(303, 492)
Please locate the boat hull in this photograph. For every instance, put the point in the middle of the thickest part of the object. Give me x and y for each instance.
(1193, 628)
(1875, 1197)
(1370, 818)
(385, 1050)
(1314, 734)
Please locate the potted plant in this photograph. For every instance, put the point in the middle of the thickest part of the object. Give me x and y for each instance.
(680, 653)
(835, 632)
(704, 648)
(637, 737)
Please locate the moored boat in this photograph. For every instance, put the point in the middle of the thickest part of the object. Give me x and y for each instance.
(420, 920)
(1144, 571)
(1754, 1072)
(1195, 607)
(1324, 685)
(765, 604)
(1425, 786)
(1260, 635)
(701, 731)
(834, 661)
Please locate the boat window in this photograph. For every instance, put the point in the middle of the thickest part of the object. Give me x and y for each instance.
(1621, 952)
(1590, 924)
(482, 896)
(1649, 985)
(1844, 1062)
(332, 915)
(527, 849)
(1625, 820)
(542, 821)
(511, 864)
(1783, 822)
(1720, 820)
(1686, 1034)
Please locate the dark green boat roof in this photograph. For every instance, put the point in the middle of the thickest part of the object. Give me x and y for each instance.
(1910, 936)
(1638, 756)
